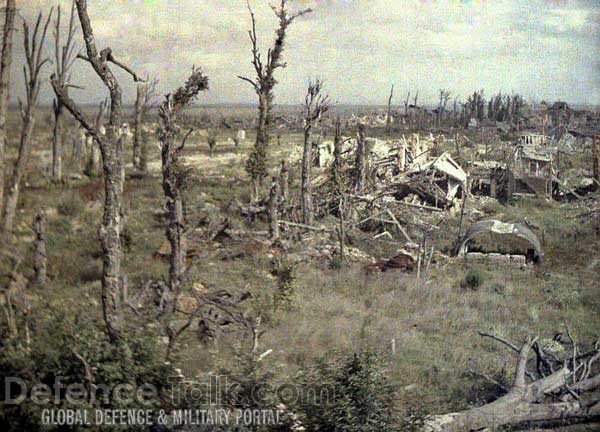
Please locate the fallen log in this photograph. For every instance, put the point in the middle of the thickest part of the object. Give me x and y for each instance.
(525, 401)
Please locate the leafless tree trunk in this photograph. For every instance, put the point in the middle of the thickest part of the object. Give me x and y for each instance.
(389, 112)
(5, 64)
(315, 104)
(263, 85)
(284, 179)
(212, 141)
(137, 124)
(274, 201)
(169, 112)
(92, 167)
(145, 93)
(111, 149)
(337, 174)
(39, 256)
(34, 52)
(64, 57)
(361, 159)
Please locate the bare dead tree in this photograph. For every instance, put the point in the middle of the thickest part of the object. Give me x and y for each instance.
(315, 105)
(145, 93)
(273, 210)
(444, 96)
(169, 113)
(64, 57)
(92, 164)
(284, 180)
(5, 65)
(263, 85)
(34, 44)
(337, 174)
(39, 255)
(211, 139)
(549, 389)
(361, 159)
(389, 112)
(111, 149)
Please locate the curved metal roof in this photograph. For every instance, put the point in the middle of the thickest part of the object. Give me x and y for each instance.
(520, 230)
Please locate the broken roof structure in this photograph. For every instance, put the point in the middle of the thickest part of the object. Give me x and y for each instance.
(520, 230)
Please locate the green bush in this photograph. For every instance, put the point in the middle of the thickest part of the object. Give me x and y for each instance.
(473, 279)
(59, 342)
(359, 396)
(285, 272)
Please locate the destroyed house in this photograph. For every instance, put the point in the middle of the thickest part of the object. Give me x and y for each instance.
(532, 170)
(532, 139)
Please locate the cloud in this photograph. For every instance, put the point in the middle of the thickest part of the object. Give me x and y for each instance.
(543, 49)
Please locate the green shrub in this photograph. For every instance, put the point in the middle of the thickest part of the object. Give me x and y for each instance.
(356, 395)
(62, 346)
(285, 272)
(473, 279)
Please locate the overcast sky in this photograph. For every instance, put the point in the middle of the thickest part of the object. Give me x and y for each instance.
(543, 49)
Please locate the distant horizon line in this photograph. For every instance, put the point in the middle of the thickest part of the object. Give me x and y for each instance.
(287, 105)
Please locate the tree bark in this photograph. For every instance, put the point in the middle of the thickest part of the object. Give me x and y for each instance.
(5, 65)
(39, 257)
(306, 193)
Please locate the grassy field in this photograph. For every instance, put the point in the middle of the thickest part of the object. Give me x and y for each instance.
(434, 321)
